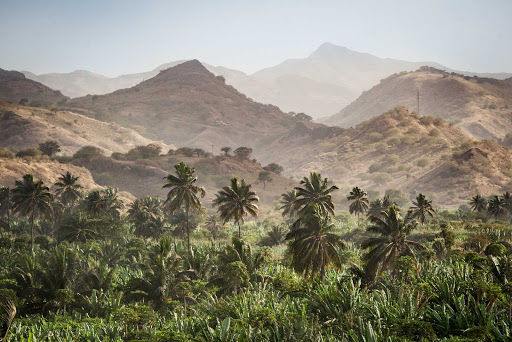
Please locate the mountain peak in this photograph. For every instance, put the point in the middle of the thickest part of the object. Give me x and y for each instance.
(191, 66)
(330, 50)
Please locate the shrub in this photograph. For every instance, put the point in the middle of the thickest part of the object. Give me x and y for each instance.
(435, 132)
(375, 167)
(392, 159)
(423, 162)
(375, 136)
(29, 152)
(426, 120)
(88, 152)
(381, 178)
(5, 153)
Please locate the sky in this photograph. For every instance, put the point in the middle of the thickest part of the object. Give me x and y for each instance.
(113, 37)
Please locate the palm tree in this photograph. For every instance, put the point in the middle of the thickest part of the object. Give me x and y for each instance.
(497, 207)
(478, 203)
(236, 201)
(7, 314)
(104, 202)
(31, 198)
(315, 190)
(77, 227)
(213, 224)
(183, 192)
(392, 242)
(360, 202)
(147, 216)
(288, 203)
(421, 208)
(507, 198)
(314, 249)
(68, 190)
(5, 207)
(379, 205)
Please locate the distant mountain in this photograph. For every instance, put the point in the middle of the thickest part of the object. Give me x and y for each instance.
(187, 105)
(14, 87)
(480, 106)
(23, 126)
(319, 85)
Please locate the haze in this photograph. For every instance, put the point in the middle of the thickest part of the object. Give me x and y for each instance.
(116, 37)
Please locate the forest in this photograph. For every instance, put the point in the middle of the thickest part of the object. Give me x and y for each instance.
(85, 266)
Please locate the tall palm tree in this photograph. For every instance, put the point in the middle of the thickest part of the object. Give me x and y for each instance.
(147, 216)
(104, 202)
(478, 203)
(5, 207)
(7, 314)
(379, 205)
(68, 190)
(359, 203)
(507, 198)
(315, 190)
(314, 249)
(497, 207)
(236, 201)
(183, 192)
(288, 203)
(421, 208)
(30, 198)
(392, 241)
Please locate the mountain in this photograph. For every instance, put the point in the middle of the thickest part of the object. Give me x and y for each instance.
(187, 105)
(480, 106)
(15, 87)
(405, 151)
(23, 126)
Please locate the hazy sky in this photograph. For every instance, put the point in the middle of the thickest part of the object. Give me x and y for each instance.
(116, 37)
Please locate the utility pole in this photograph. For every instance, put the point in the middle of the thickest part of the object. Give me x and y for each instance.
(212, 148)
(418, 97)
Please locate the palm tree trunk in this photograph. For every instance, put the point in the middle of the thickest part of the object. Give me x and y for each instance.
(239, 230)
(358, 219)
(188, 234)
(32, 231)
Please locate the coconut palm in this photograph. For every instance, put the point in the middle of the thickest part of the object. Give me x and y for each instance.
(314, 249)
(507, 198)
(478, 203)
(315, 190)
(214, 225)
(236, 201)
(421, 208)
(359, 203)
(379, 205)
(7, 314)
(5, 208)
(288, 203)
(183, 193)
(68, 190)
(497, 207)
(392, 242)
(147, 216)
(78, 227)
(32, 198)
(104, 202)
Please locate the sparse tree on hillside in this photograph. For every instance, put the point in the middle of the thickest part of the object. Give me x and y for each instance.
(184, 193)
(289, 206)
(478, 203)
(303, 116)
(49, 148)
(243, 152)
(265, 177)
(226, 150)
(236, 201)
(359, 203)
(68, 190)
(421, 208)
(315, 190)
(88, 152)
(32, 198)
(273, 167)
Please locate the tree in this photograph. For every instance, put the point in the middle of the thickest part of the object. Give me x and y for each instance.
(392, 242)
(236, 201)
(226, 150)
(273, 167)
(478, 203)
(88, 152)
(315, 190)
(183, 192)
(147, 216)
(497, 207)
(214, 225)
(303, 116)
(7, 314)
(104, 202)
(265, 177)
(379, 205)
(421, 208)
(68, 190)
(314, 249)
(359, 203)
(49, 148)
(32, 198)
(78, 227)
(5, 207)
(243, 152)
(289, 206)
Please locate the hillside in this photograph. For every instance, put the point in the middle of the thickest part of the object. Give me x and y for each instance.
(23, 127)
(14, 86)
(188, 106)
(480, 106)
(399, 150)
(213, 173)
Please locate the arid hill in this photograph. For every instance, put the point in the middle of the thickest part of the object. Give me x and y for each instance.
(188, 106)
(14, 87)
(22, 127)
(480, 106)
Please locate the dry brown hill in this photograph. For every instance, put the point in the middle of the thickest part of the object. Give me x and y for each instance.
(22, 127)
(15, 87)
(399, 150)
(480, 106)
(187, 105)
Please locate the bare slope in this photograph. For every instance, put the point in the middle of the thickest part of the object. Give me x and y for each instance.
(22, 127)
(480, 106)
